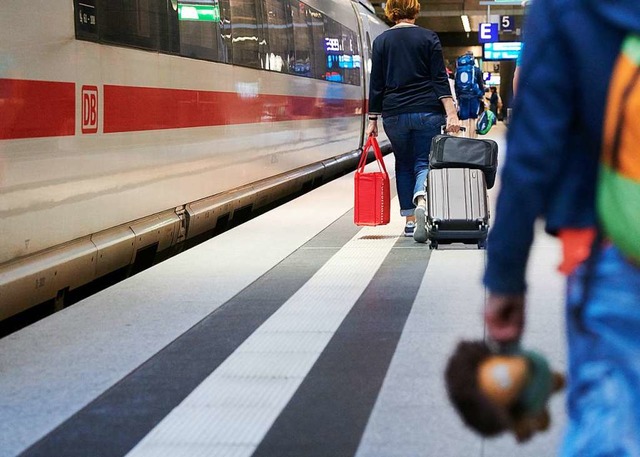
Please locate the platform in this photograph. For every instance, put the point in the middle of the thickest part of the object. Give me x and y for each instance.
(294, 334)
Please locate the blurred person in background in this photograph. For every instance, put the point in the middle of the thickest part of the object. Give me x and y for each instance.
(469, 86)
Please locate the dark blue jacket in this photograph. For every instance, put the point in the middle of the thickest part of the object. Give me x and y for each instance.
(554, 140)
(407, 72)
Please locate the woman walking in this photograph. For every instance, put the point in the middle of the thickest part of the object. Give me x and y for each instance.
(410, 90)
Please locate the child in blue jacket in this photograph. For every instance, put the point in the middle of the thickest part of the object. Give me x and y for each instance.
(553, 151)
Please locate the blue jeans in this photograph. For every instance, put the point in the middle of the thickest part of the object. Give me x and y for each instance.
(410, 135)
(603, 398)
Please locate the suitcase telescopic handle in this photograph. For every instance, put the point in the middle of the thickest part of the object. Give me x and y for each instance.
(443, 129)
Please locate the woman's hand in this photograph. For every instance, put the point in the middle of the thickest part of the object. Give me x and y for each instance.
(372, 129)
(453, 124)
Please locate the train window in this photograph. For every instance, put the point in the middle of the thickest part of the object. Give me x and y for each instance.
(246, 33)
(201, 29)
(279, 35)
(86, 19)
(351, 58)
(316, 25)
(333, 47)
(343, 55)
(302, 40)
(129, 22)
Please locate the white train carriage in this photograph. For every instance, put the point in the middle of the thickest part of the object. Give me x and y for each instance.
(131, 125)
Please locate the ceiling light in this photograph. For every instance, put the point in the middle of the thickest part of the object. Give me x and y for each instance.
(465, 23)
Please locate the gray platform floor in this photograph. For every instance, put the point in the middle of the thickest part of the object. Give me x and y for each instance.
(336, 339)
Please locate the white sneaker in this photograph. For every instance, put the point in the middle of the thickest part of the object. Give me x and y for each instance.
(420, 231)
(409, 228)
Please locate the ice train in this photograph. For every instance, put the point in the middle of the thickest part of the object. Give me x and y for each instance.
(130, 127)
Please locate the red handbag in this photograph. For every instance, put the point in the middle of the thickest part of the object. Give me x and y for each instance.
(372, 195)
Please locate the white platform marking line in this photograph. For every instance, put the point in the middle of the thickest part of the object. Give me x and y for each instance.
(237, 404)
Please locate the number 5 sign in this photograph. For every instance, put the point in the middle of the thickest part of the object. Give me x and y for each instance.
(507, 23)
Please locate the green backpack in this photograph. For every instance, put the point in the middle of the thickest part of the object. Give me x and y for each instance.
(618, 192)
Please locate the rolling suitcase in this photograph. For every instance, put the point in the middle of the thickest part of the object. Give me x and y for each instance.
(449, 151)
(457, 206)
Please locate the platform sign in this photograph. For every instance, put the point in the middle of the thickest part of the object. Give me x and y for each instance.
(503, 50)
(488, 32)
(199, 12)
(507, 23)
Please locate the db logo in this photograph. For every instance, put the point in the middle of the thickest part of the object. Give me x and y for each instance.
(89, 109)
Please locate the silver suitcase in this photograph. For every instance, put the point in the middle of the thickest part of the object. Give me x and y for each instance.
(457, 206)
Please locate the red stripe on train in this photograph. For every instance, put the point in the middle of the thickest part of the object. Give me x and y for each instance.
(34, 109)
(128, 109)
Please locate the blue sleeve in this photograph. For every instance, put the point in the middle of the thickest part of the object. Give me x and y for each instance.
(543, 112)
(376, 80)
(438, 71)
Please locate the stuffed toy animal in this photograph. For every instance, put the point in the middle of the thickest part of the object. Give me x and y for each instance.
(498, 391)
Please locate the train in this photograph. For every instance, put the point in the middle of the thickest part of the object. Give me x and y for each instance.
(131, 128)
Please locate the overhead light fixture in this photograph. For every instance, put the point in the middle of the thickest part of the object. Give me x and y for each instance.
(465, 23)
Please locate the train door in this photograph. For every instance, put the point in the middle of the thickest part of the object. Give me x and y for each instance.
(370, 27)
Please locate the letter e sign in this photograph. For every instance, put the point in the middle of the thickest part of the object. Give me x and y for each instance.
(488, 32)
